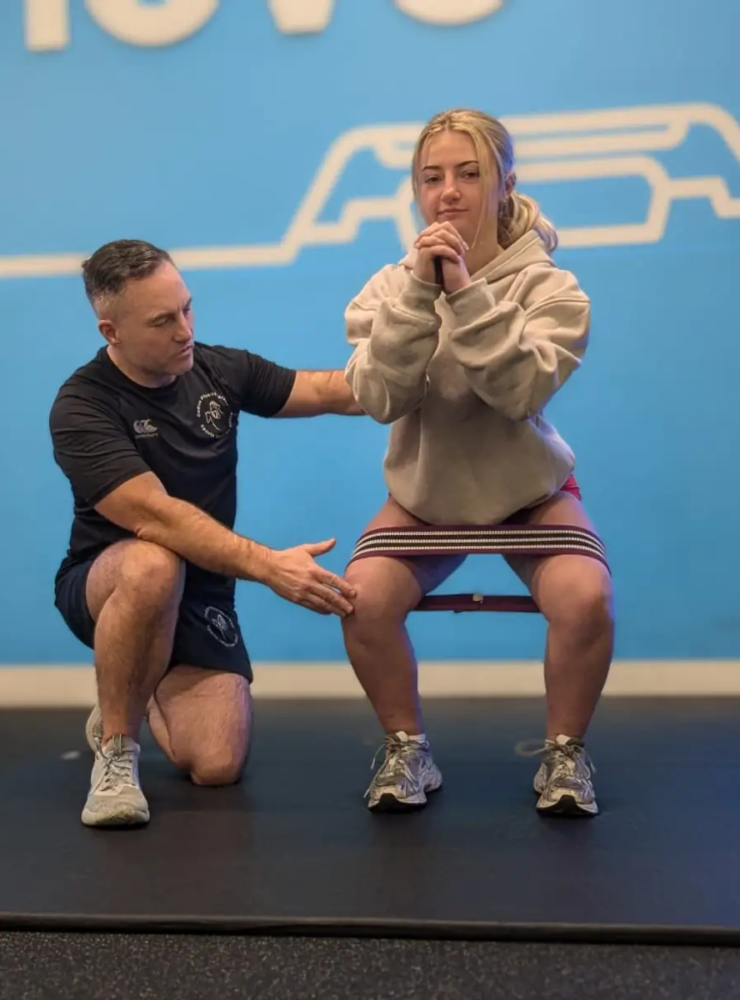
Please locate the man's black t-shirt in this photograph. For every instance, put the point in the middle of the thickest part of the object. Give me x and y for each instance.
(107, 429)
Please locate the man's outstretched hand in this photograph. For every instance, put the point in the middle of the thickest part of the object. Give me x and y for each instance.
(295, 575)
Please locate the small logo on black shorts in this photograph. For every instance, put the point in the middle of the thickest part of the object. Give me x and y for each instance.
(222, 627)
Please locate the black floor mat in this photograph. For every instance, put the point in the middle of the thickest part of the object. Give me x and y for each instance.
(293, 848)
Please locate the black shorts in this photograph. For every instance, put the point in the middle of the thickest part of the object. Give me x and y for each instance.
(207, 633)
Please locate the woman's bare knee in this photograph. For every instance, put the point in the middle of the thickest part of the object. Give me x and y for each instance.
(573, 592)
(581, 603)
(386, 591)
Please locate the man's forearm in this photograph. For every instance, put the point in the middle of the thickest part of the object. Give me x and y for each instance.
(316, 393)
(335, 394)
(202, 541)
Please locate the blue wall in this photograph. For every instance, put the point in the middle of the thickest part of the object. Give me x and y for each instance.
(215, 140)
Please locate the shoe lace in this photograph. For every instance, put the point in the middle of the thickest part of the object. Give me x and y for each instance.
(396, 764)
(561, 758)
(118, 766)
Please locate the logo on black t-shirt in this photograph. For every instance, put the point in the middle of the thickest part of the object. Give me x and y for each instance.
(145, 428)
(215, 414)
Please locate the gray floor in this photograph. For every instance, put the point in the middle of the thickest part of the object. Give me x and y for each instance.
(140, 967)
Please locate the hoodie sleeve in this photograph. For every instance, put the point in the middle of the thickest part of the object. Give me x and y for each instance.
(516, 356)
(394, 329)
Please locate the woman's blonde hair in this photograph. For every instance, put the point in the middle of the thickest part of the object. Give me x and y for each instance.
(518, 213)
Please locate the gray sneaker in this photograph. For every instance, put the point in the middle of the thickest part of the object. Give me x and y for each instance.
(115, 797)
(405, 776)
(563, 781)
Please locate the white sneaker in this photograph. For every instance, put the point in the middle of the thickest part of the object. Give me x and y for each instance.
(115, 797)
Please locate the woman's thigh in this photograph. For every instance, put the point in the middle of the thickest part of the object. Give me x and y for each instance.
(395, 583)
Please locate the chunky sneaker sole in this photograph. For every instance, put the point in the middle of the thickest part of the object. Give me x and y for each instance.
(389, 803)
(116, 814)
(407, 775)
(563, 781)
(561, 802)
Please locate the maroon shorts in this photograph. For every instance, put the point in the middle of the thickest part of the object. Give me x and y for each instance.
(523, 516)
(571, 486)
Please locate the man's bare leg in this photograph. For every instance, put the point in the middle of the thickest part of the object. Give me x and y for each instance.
(133, 594)
(202, 720)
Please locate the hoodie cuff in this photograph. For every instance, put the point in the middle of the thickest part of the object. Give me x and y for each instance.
(470, 303)
(418, 294)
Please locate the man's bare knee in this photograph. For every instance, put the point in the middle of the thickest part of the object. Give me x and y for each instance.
(147, 575)
(152, 574)
(210, 764)
(202, 719)
(218, 767)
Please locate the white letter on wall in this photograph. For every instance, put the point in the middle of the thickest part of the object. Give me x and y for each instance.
(300, 17)
(449, 11)
(47, 24)
(167, 23)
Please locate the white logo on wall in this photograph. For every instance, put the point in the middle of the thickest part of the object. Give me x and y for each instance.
(572, 147)
(48, 23)
(303, 16)
(215, 414)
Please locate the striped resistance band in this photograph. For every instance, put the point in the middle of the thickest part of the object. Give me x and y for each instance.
(508, 540)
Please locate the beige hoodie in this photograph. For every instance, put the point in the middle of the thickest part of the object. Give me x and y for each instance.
(464, 378)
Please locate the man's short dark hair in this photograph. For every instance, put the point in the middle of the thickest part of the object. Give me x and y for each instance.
(108, 270)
